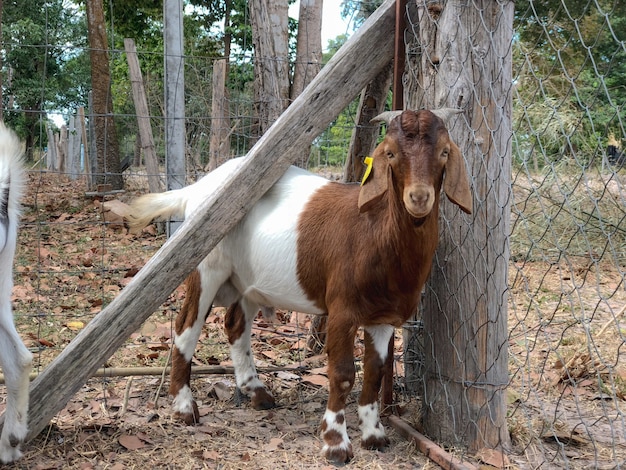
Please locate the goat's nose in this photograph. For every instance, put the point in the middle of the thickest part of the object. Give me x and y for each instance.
(420, 196)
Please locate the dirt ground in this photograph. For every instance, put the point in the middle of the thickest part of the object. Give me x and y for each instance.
(97, 431)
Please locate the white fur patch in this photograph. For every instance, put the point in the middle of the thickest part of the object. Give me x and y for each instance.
(380, 334)
(330, 417)
(264, 245)
(243, 362)
(369, 422)
(183, 401)
(187, 340)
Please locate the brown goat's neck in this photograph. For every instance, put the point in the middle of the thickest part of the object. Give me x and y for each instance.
(405, 232)
(386, 257)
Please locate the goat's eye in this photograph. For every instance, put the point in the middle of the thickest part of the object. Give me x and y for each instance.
(390, 155)
(445, 153)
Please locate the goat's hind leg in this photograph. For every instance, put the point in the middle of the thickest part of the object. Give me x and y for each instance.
(238, 325)
(16, 362)
(376, 349)
(188, 327)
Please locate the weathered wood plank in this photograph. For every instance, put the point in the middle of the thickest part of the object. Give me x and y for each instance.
(352, 67)
(143, 116)
(219, 139)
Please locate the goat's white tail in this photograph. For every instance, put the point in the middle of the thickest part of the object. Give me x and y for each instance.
(11, 181)
(156, 206)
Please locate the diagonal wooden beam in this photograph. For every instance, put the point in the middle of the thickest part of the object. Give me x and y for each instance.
(352, 67)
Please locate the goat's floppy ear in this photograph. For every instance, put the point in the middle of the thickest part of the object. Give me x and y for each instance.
(456, 182)
(374, 185)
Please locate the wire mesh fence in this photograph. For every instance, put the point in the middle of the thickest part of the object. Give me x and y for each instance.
(566, 295)
(568, 245)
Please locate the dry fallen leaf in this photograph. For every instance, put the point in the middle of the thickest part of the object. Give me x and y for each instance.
(210, 455)
(131, 442)
(493, 458)
(75, 325)
(316, 379)
(275, 443)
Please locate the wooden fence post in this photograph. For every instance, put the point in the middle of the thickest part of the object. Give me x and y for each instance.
(219, 141)
(465, 62)
(143, 116)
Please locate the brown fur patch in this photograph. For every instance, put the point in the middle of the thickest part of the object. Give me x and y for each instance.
(373, 442)
(234, 322)
(180, 373)
(333, 438)
(189, 311)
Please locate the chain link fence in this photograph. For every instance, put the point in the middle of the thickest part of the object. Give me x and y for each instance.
(566, 290)
(568, 237)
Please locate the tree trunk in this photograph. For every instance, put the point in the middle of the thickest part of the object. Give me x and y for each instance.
(107, 149)
(365, 134)
(308, 54)
(308, 46)
(270, 36)
(465, 62)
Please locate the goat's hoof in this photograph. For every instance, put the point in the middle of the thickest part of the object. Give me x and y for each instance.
(262, 400)
(340, 454)
(375, 442)
(9, 453)
(189, 419)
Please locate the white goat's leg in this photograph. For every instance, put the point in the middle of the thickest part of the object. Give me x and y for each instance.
(16, 362)
(238, 324)
(201, 289)
(376, 349)
(340, 349)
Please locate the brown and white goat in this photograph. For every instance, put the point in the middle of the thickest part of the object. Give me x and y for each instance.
(360, 254)
(15, 358)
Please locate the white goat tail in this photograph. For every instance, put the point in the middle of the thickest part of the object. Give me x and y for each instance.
(159, 206)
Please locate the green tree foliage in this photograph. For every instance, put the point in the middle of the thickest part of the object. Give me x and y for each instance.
(570, 77)
(46, 67)
(39, 71)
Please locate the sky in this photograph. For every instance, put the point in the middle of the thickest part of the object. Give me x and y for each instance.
(332, 23)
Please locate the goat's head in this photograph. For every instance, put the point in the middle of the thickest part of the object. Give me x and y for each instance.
(412, 159)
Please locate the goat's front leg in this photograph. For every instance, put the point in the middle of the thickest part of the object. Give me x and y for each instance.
(16, 362)
(376, 349)
(340, 350)
(238, 325)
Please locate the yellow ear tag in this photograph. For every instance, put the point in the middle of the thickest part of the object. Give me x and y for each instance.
(368, 161)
